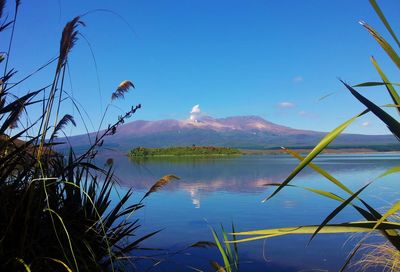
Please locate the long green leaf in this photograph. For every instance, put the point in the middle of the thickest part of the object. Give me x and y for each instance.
(392, 91)
(227, 246)
(222, 251)
(390, 171)
(353, 253)
(319, 170)
(384, 21)
(391, 123)
(325, 96)
(26, 267)
(316, 191)
(375, 83)
(390, 106)
(331, 228)
(337, 210)
(395, 207)
(67, 234)
(61, 263)
(367, 215)
(236, 249)
(317, 149)
(372, 214)
(383, 43)
(350, 227)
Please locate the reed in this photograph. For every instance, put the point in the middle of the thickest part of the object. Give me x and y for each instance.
(384, 255)
(56, 212)
(230, 257)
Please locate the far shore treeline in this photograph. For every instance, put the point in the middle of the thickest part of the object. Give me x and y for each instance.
(183, 151)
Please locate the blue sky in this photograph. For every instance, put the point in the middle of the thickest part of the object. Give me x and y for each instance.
(274, 59)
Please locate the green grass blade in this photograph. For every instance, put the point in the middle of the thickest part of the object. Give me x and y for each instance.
(391, 235)
(67, 234)
(259, 237)
(315, 191)
(26, 267)
(319, 170)
(100, 220)
(337, 210)
(61, 263)
(395, 207)
(367, 215)
(227, 246)
(350, 227)
(384, 21)
(222, 251)
(317, 149)
(383, 43)
(331, 228)
(325, 96)
(391, 123)
(390, 171)
(392, 92)
(352, 254)
(235, 249)
(390, 106)
(375, 83)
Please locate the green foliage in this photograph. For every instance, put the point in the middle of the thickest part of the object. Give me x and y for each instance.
(374, 221)
(183, 151)
(56, 212)
(230, 257)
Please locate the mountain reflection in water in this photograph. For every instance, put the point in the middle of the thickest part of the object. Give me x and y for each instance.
(222, 190)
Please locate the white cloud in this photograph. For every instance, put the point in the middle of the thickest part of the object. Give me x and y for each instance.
(286, 105)
(366, 124)
(298, 79)
(195, 113)
(196, 109)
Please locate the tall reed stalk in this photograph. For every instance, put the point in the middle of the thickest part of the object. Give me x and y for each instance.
(374, 222)
(56, 211)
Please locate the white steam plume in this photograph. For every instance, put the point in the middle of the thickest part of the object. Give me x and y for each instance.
(195, 113)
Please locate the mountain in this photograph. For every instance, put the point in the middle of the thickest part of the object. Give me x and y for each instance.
(251, 132)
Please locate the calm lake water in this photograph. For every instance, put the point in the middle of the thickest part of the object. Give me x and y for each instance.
(225, 190)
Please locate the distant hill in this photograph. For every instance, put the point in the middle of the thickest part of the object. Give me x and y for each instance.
(248, 132)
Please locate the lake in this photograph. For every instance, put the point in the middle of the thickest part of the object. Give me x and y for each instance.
(228, 190)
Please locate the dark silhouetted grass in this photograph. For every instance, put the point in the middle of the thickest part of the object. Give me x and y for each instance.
(56, 212)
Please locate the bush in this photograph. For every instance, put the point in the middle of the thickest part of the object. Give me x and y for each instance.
(56, 212)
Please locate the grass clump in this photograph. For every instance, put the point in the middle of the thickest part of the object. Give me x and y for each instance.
(56, 212)
(384, 255)
(183, 151)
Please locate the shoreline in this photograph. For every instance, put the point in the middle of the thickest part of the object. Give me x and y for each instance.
(187, 155)
(325, 151)
(269, 152)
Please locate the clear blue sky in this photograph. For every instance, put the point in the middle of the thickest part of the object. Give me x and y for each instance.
(231, 57)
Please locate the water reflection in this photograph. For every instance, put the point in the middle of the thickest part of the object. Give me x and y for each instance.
(225, 190)
(245, 174)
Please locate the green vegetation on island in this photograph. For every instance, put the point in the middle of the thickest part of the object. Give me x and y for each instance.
(183, 151)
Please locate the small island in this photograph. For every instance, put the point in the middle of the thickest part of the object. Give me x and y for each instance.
(202, 151)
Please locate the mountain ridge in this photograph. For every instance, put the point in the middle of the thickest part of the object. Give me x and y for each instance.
(250, 131)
